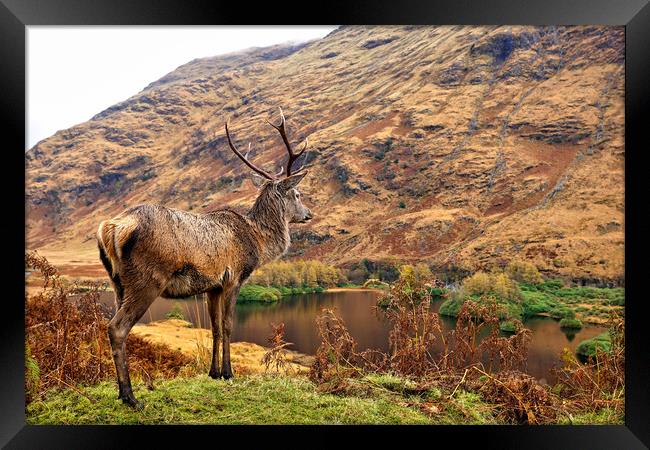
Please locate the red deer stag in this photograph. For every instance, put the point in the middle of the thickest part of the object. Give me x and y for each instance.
(151, 250)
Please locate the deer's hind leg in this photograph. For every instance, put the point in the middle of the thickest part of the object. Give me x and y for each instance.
(215, 308)
(134, 303)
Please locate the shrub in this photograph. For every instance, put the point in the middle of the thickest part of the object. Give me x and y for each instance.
(438, 293)
(415, 329)
(508, 326)
(276, 356)
(510, 310)
(407, 274)
(285, 290)
(523, 272)
(256, 293)
(615, 297)
(562, 312)
(535, 303)
(176, 312)
(477, 284)
(451, 307)
(570, 323)
(589, 347)
(551, 285)
(32, 375)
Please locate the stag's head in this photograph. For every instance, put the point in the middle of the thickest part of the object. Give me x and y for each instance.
(277, 191)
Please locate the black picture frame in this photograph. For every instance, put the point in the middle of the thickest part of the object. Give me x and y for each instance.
(15, 15)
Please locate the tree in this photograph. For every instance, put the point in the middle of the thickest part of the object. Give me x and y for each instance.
(422, 272)
(297, 274)
(407, 274)
(523, 272)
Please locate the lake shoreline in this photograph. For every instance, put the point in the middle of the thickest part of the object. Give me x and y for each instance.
(183, 336)
(352, 289)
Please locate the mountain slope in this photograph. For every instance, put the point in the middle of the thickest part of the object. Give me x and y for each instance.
(460, 146)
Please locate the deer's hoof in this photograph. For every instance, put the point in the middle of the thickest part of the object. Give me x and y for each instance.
(227, 375)
(133, 403)
(214, 374)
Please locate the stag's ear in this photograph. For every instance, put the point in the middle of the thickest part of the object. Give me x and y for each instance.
(292, 181)
(258, 181)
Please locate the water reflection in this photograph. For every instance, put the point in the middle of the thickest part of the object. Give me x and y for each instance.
(370, 330)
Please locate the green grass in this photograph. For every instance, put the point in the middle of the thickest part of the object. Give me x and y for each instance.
(604, 416)
(260, 399)
(284, 290)
(349, 285)
(201, 400)
(535, 303)
(553, 292)
(390, 382)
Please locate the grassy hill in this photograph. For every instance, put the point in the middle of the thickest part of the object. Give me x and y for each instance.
(459, 146)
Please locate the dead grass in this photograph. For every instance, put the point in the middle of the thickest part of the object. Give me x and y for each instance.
(196, 343)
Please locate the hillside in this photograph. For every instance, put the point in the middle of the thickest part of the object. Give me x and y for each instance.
(463, 147)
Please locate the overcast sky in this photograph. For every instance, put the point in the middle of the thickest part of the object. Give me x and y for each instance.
(75, 72)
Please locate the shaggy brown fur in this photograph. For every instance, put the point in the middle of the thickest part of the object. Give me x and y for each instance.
(150, 251)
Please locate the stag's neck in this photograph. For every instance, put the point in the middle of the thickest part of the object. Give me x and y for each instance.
(272, 231)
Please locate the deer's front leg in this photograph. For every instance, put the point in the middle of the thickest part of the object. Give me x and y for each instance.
(229, 301)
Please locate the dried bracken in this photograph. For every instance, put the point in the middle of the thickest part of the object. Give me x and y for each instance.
(416, 329)
(601, 381)
(67, 342)
(473, 356)
(276, 356)
(521, 398)
(337, 358)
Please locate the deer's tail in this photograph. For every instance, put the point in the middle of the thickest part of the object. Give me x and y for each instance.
(106, 244)
(111, 237)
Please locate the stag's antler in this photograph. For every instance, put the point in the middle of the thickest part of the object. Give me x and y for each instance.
(283, 132)
(245, 158)
(292, 156)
